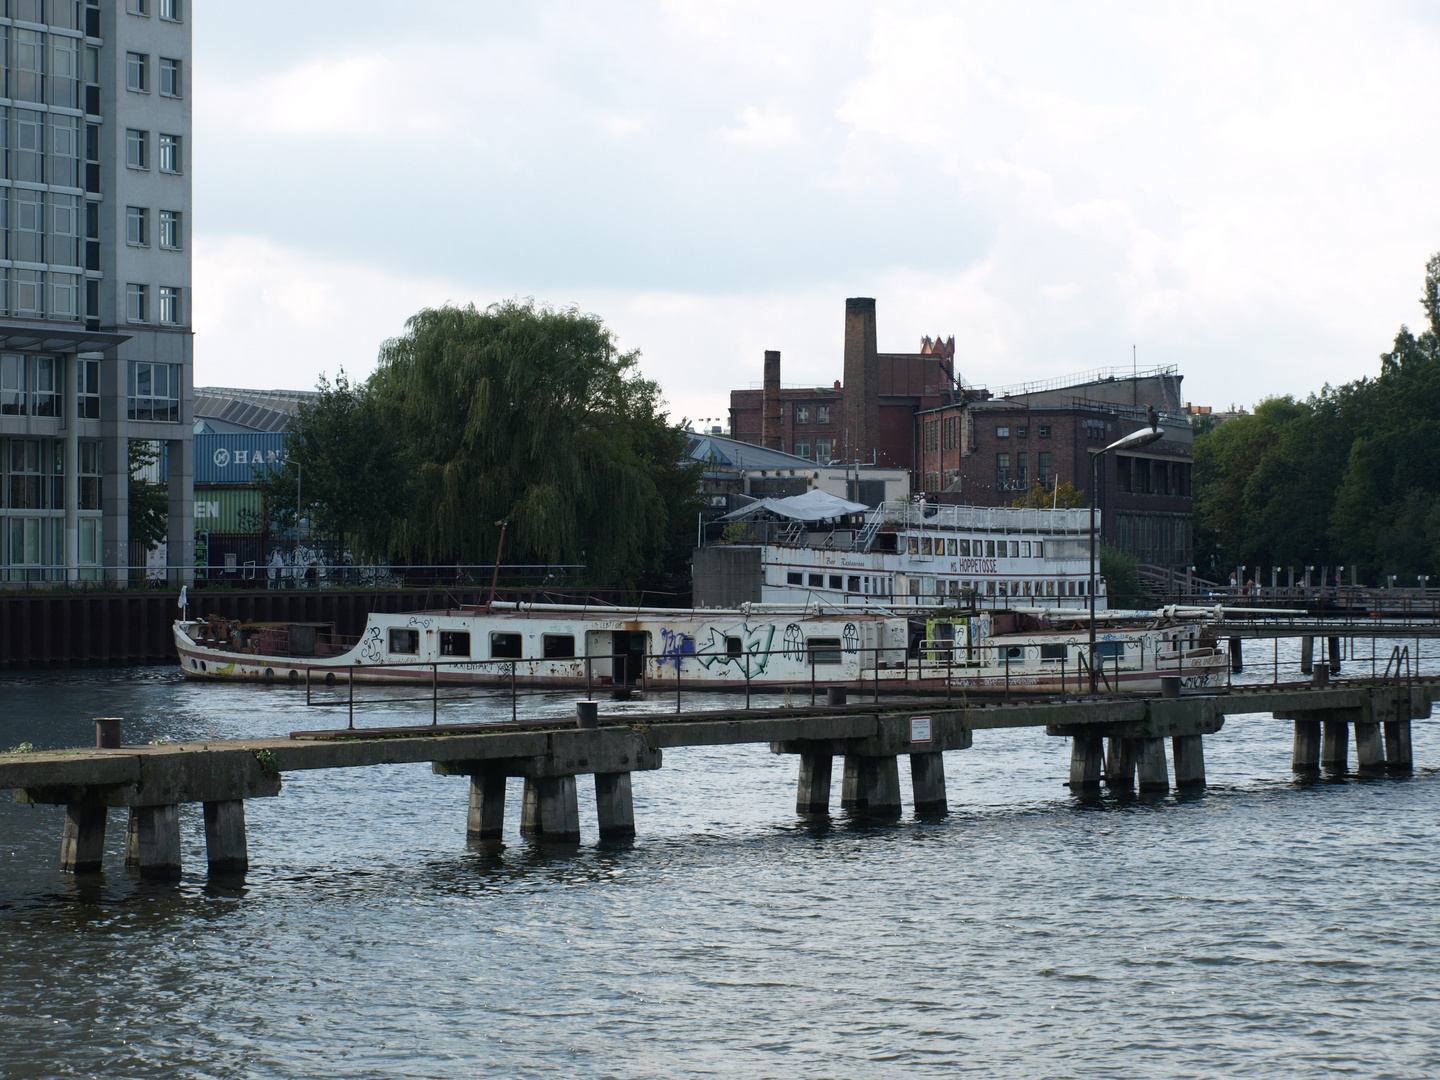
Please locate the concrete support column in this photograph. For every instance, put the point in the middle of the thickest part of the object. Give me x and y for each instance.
(615, 806)
(1119, 763)
(152, 842)
(559, 809)
(1150, 763)
(1306, 756)
(225, 837)
(82, 842)
(1369, 747)
(850, 783)
(1237, 658)
(1335, 745)
(1307, 655)
(812, 794)
(486, 819)
(530, 809)
(180, 542)
(1333, 653)
(1189, 753)
(1087, 757)
(1398, 755)
(927, 782)
(877, 784)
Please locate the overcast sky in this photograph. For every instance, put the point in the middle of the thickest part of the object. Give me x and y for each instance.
(1246, 190)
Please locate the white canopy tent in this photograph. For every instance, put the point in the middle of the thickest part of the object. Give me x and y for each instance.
(814, 505)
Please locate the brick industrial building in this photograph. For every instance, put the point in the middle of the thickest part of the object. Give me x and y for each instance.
(966, 444)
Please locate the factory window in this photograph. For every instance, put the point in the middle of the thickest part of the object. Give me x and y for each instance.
(932, 481)
(137, 75)
(932, 435)
(170, 82)
(1022, 468)
(505, 646)
(170, 158)
(1044, 431)
(170, 234)
(454, 643)
(1002, 470)
(822, 449)
(137, 149)
(802, 414)
(822, 414)
(817, 581)
(558, 646)
(1022, 432)
(1002, 432)
(137, 226)
(1045, 474)
(824, 650)
(802, 448)
(950, 436)
(404, 642)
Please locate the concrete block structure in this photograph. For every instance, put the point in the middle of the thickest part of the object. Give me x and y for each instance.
(95, 339)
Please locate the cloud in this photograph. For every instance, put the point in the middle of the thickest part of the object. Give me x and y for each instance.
(770, 127)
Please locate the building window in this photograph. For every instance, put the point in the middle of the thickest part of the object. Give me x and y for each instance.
(932, 436)
(1043, 464)
(1022, 469)
(155, 392)
(822, 450)
(14, 385)
(27, 293)
(47, 387)
(932, 483)
(27, 224)
(90, 475)
(802, 448)
(170, 233)
(170, 159)
(137, 226)
(170, 10)
(65, 230)
(950, 432)
(137, 303)
(137, 149)
(802, 415)
(138, 7)
(822, 414)
(1002, 432)
(1044, 431)
(170, 312)
(137, 74)
(29, 46)
(170, 84)
(1002, 471)
(1022, 432)
(87, 401)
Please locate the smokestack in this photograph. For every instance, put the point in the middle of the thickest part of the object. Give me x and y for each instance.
(862, 381)
(770, 436)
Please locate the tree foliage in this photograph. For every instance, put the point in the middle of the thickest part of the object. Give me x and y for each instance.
(149, 500)
(1349, 476)
(1048, 495)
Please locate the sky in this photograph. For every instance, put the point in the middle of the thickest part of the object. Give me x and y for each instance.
(1245, 191)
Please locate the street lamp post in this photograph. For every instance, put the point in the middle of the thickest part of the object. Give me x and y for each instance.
(1139, 437)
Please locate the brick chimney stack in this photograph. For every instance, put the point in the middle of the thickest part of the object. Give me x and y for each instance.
(770, 434)
(862, 381)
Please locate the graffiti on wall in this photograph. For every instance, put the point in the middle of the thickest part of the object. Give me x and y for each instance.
(674, 646)
(754, 648)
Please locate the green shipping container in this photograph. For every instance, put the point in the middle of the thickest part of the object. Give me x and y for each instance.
(228, 510)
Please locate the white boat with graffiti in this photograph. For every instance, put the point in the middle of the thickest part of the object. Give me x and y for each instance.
(556, 646)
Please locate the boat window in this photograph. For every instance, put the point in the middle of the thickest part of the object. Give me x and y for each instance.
(1014, 549)
(1039, 549)
(405, 642)
(454, 643)
(1104, 649)
(964, 547)
(989, 549)
(1012, 652)
(952, 547)
(734, 647)
(824, 650)
(794, 578)
(914, 545)
(505, 646)
(925, 545)
(854, 583)
(817, 581)
(560, 646)
(1025, 549)
(1053, 652)
(836, 582)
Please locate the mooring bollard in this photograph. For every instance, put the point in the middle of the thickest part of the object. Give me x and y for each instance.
(587, 714)
(1170, 686)
(835, 695)
(107, 733)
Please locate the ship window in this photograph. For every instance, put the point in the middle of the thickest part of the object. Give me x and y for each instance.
(505, 646)
(1105, 649)
(914, 545)
(817, 581)
(925, 545)
(854, 583)
(964, 547)
(558, 646)
(1025, 549)
(989, 548)
(1014, 549)
(794, 578)
(1053, 652)
(1039, 549)
(1013, 652)
(951, 547)
(824, 650)
(405, 642)
(454, 643)
(734, 647)
(836, 582)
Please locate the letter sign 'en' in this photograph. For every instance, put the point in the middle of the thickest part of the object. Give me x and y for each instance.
(920, 729)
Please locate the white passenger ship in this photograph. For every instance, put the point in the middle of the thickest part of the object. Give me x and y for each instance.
(760, 646)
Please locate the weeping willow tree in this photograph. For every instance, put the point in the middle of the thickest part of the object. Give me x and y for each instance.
(531, 415)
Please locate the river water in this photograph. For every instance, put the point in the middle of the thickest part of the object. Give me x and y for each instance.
(1267, 927)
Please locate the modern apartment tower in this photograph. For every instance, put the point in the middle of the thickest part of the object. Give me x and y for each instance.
(95, 338)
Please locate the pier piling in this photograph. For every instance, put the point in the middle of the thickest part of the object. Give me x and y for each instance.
(225, 846)
(1335, 745)
(486, 820)
(615, 805)
(1307, 655)
(152, 844)
(812, 794)
(1369, 747)
(530, 808)
(877, 785)
(1087, 759)
(1119, 763)
(1398, 756)
(927, 782)
(1237, 656)
(1305, 758)
(559, 806)
(1189, 754)
(82, 842)
(1150, 764)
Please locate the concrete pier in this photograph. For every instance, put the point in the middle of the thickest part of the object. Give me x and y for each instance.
(615, 806)
(877, 786)
(1150, 765)
(225, 846)
(558, 810)
(850, 782)
(1335, 745)
(1369, 747)
(927, 783)
(155, 836)
(1307, 655)
(486, 820)
(1087, 759)
(1119, 763)
(1237, 657)
(1305, 757)
(812, 793)
(1332, 653)
(82, 841)
(1189, 754)
(530, 808)
(1398, 755)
